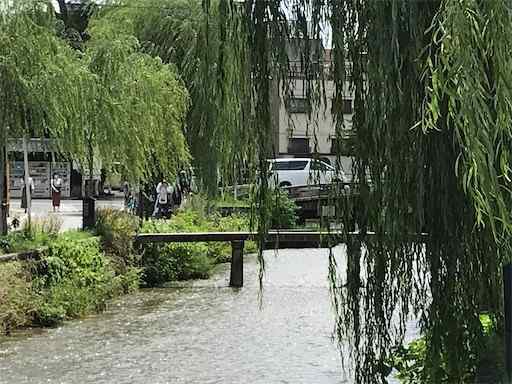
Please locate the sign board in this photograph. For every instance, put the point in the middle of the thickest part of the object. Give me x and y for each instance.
(41, 172)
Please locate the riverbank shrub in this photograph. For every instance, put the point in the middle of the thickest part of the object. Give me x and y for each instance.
(116, 230)
(408, 361)
(74, 277)
(283, 210)
(16, 297)
(78, 279)
(38, 234)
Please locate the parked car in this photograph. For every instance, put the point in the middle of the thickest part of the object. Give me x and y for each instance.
(291, 172)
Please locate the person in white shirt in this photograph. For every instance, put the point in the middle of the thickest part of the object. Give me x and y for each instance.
(163, 191)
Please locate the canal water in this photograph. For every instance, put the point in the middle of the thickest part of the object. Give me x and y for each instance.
(202, 332)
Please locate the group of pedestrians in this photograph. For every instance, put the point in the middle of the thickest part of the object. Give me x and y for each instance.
(165, 197)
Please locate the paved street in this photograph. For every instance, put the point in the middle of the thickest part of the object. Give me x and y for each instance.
(70, 210)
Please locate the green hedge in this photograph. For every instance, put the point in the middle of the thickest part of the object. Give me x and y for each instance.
(17, 299)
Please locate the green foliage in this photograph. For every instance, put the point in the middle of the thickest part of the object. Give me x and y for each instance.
(117, 229)
(432, 134)
(410, 362)
(40, 226)
(141, 107)
(40, 95)
(16, 297)
(78, 280)
(38, 234)
(22, 241)
(107, 101)
(283, 210)
(175, 262)
(75, 277)
(193, 36)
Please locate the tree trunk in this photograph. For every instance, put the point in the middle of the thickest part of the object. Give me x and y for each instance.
(90, 189)
(3, 188)
(63, 8)
(28, 192)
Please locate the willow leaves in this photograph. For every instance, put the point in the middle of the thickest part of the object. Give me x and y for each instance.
(109, 101)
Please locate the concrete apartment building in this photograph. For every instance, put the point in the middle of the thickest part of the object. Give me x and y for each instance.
(305, 130)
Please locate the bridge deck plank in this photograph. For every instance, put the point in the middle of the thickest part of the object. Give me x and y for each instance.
(297, 236)
(272, 236)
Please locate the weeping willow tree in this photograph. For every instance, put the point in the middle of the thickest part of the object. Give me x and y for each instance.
(110, 102)
(36, 74)
(431, 84)
(205, 43)
(135, 111)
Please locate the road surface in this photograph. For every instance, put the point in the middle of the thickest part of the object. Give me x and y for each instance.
(70, 210)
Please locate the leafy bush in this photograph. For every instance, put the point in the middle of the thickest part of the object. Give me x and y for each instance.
(283, 210)
(175, 262)
(73, 278)
(117, 229)
(280, 210)
(19, 241)
(16, 297)
(409, 362)
(78, 280)
(37, 235)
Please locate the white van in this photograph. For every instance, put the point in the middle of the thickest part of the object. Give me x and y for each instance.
(292, 172)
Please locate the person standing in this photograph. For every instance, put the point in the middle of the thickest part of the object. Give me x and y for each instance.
(126, 192)
(56, 184)
(163, 194)
(24, 204)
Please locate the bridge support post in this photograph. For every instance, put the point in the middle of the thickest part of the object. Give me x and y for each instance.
(237, 264)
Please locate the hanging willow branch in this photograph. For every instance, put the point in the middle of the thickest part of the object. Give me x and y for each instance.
(409, 67)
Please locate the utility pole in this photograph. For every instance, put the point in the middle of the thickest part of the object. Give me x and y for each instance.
(28, 192)
(3, 187)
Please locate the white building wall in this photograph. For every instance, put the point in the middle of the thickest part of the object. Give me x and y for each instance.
(319, 128)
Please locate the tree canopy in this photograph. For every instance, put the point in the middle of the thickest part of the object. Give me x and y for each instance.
(209, 57)
(432, 97)
(108, 100)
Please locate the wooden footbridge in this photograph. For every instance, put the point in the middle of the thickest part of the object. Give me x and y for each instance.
(237, 239)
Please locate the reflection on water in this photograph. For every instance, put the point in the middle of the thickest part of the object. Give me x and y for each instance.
(205, 332)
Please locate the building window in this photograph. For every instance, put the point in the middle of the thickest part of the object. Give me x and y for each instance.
(298, 145)
(346, 106)
(297, 105)
(343, 146)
